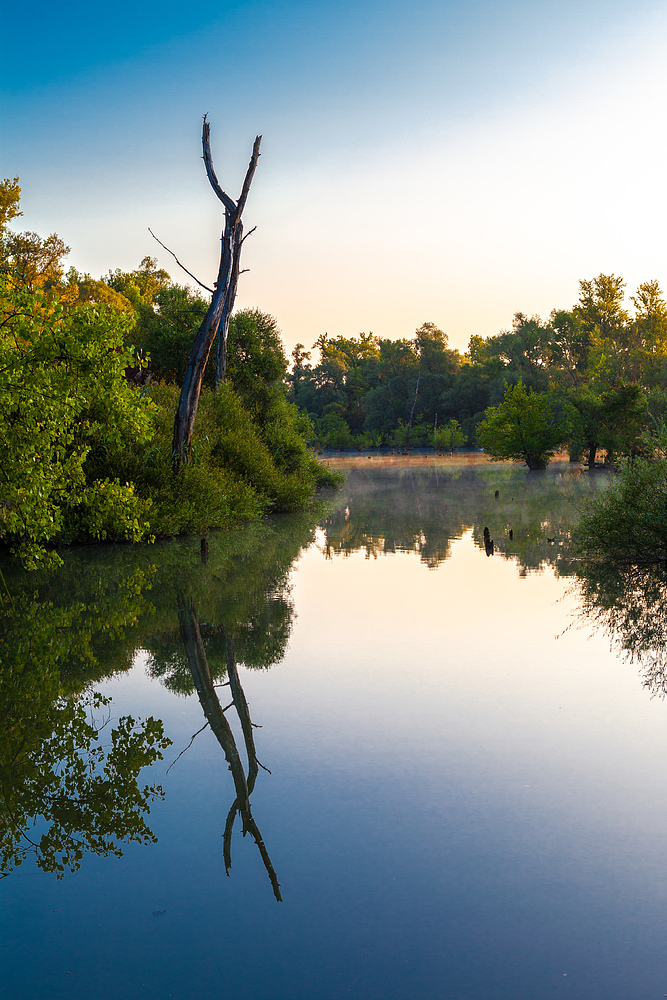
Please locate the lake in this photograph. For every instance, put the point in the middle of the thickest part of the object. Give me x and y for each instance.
(448, 754)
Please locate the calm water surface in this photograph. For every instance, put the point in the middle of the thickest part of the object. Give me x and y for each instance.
(467, 794)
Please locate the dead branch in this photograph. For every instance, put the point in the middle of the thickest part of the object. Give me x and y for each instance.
(208, 163)
(205, 726)
(201, 283)
(250, 173)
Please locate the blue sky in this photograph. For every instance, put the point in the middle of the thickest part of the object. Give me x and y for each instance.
(443, 161)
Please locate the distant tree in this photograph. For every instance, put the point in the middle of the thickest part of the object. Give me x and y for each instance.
(614, 420)
(527, 426)
(449, 437)
(600, 305)
(141, 286)
(10, 197)
(32, 261)
(301, 367)
(80, 288)
(569, 347)
(524, 351)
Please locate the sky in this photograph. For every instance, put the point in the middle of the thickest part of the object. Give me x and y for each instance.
(427, 161)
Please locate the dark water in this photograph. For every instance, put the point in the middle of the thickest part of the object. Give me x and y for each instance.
(467, 794)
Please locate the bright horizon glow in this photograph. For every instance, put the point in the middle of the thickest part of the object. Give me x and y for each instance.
(445, 162)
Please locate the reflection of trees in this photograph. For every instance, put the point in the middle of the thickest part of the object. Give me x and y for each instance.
(215, 716)
(68, 783)
(630, 604)
(90, 618)
(424, 509)
(241, 593)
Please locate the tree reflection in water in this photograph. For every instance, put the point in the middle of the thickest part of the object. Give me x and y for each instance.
(68, 777)
(530, 515)
(215, 716)
(236, 608)
(629, 603)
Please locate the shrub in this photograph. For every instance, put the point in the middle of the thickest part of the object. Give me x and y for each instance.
(629, 520)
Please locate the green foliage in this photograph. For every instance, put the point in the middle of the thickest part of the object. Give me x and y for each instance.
(30, 261)
(629, 520)
(527, 426)
(166, 328)
(284, 475)
(449, 437)
(614, 419)
(139, 287)
(82, 288)
(63, 397)
(205, 494)
(84, 455)
(596, 350)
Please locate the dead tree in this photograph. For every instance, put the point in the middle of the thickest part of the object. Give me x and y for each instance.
(216, 320)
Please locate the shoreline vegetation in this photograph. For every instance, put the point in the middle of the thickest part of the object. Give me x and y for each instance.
(91, 372)
(89, 386)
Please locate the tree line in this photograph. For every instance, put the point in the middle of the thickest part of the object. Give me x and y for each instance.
(90, 379)
(593, 377)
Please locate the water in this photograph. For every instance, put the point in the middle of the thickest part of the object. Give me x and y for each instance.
(468, 787)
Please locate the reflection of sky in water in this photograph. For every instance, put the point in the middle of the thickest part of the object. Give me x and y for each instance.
(468, 799)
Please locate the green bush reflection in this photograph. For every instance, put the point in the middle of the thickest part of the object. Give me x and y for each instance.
(629, 604)
(68, 777)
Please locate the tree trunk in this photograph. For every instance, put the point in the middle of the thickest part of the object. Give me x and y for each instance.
(216, 320)
(412, 413)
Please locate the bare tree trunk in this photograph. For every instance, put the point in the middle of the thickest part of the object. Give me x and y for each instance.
(216, 320)
(412, 413)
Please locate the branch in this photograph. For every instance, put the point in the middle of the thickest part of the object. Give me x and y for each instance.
(250, 173)
(201, 283)
(187, 747)
(249, 233)
(208, 163)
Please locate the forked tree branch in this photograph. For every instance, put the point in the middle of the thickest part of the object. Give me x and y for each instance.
(208, 163)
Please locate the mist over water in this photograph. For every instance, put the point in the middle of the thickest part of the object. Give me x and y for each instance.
(466, 742)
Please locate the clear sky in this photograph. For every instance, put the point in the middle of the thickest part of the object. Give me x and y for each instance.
(444, 161)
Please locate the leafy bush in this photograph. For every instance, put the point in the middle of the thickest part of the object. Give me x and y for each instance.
(63, 395)
(629, 520)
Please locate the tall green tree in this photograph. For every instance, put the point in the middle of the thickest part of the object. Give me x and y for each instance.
(527, 426)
